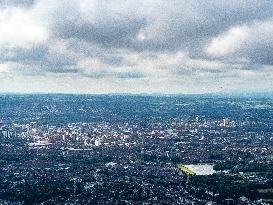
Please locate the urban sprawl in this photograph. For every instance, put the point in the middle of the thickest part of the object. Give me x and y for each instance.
(126, 149)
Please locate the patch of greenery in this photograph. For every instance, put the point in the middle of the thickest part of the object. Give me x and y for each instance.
(185, 170)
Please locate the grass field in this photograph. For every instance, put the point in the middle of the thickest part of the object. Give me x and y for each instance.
(185, 170)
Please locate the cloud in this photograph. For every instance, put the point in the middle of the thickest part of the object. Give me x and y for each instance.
(250, 42)
(19, 28)
(228, 43)
(147, 25)
(24, 3)
(137, 25)
(3, 68)
(156, 45)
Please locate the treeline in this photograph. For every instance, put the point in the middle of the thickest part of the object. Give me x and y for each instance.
(235, 166)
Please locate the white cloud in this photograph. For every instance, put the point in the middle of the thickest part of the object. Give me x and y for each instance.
(145, 45)
(3, 68)
(227, 43)
(92, 65)
(247, 73)
(246, 43)
(20, 28)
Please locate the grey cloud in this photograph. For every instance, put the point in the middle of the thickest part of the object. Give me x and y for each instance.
(33, 54)
(169, 26)
(121, 75)
(38, 60)
(260, 53)
(26, 3)
(59, 70)
(130, 75)
(108, 32)
(251, 43)
(112, 34)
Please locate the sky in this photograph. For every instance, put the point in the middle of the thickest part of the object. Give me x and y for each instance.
(136, 46)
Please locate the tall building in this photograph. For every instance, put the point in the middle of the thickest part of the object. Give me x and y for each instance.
(1, 135)
(34, 125)
(226, 122)
(97, 142)
(6, 134)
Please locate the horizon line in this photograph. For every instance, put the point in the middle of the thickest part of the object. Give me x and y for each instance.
(254, 93)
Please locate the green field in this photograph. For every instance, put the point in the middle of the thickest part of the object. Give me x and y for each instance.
(185, 170)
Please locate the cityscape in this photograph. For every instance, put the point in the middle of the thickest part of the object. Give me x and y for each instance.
(136, 102)
(135, 149)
